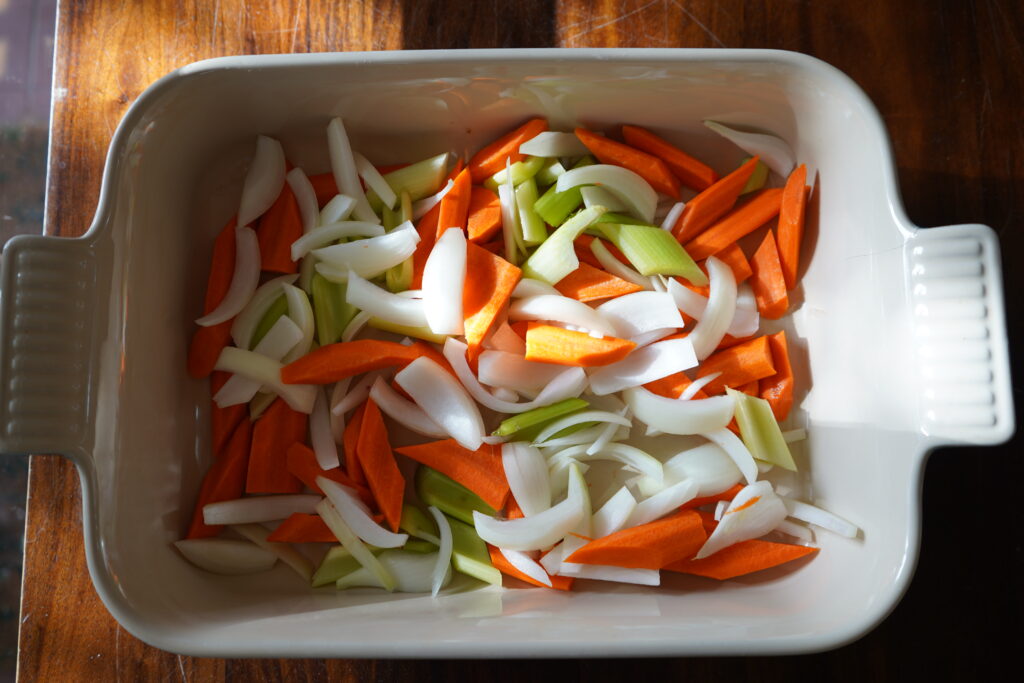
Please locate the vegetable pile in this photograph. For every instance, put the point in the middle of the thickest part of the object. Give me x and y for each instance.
(582, 358)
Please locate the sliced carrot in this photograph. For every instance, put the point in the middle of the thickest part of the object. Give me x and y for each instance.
(350, 441)
(378, 463)
(491, 158)
(791, 223)
(727, 494)
(712, 203)
(648, 546)
(494, 246)
(520, 328)
(223, 421)
(278, 228)
(739, 364)
(777, 389)
(561, 583)
(768, 282)
(760, 209)
(337, 361)
(737, 261)
(688, 170)
(455, 205)
(325, 188)
(427, 230)
(750, 388)
(225, 480)
(208, 342)
(484, 220)
(742, 558)
(512, 509)
(650, 168)
(490, 280)
(588, 283)
(672, 386)
(551, 344)
(277, 429)
(302, 463)
(479, 471)
(302, 528)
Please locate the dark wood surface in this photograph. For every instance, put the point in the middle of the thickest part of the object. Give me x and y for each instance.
(947, 78)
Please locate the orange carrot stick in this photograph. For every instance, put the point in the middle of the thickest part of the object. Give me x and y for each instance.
(491, 158)
(302, 463)
(649, 546)
(672, 386)
(768, 282)
(275, 431)
(349, 443)
(727, 494)
(337, 361)
(551, 344)
(761, 208)
(455, 205)
(738, 364)
(484, 220)
(278, 228)
(712, 203)
(791, 223)
(225, 480)
(688, 170)
(650, 168)
(737, 261)
(561, 583)
(512, 509)
(378, 463)
(742, 558)
(208, 342)
(324, 187)
(479, 471)
(223, 421)
(777, 389)
(427, 230)
(490, 280)
(588, 283)
(302, 528)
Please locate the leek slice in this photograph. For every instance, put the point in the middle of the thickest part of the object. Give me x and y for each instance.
(554, 206)
(226, 556)
(331, 310)
(420, 179)
(417, 524)
(556, 258)
(534, 230)
(353, 545)
(526, 426)
(757, 179)
(520, 171)
(337, 563)
(449, 496)
(411, 573)
(274, 312)
(633, 190)
(419, 546)
(760, 430)
(653, 251)
(548, 175)
(469, 554)
(423, 333)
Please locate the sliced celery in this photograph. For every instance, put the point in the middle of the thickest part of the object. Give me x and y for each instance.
(259, 403)
(337, 563)
(760, 431)
(521, 171)
(419, 180)
(389, 218)
(420, 546)
(306, 270)
(469, 554)
(534, 230)
(555, 207)
(330, 309)
(399, 278)
(526, 426)
(549, 172)
(405, 207)
(585, 161)
(653, 251)
(621, 219)
(417, 523)
(423, 333)
(556, 258)
(757, 179)
(273, 314)
(449, 496)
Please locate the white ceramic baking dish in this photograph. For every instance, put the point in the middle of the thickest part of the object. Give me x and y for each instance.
(899, 335)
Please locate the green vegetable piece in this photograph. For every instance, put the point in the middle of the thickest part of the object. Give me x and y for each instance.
(653, 251)
(521, 171)
(556, 258)
(760, 431)
(418, 524)
(389, 218)
(534, 230)
(307, 269)
(336, 563)
(549, 172)
(405, 207)
(620, 218)
(419, 546)
(419, 180)
(757, 179)
(469, 554)
(330, 309)
(273, 314)
(399, 278)
(526, 426)
(423, 333)
(259, 403)
(585, 160)
(449, 496)
(555, 207)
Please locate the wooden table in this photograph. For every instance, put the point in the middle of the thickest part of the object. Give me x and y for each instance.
(947, 77)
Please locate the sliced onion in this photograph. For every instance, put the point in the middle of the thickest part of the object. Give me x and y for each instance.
(411, 572)
(527, 565)
(355, 395)
(527, 474)
(356, 325)
(320, 435)
(442, 568)
(338, 209)
(629, 456)
(629, 187)
(301, 313)
(263, 181)
(343, 164)
(612, 516)
(374, 180)
(503, 394)
(561, 309)
(404, 412)
(353, 545)
(226, 556)
(258, 509)
(444, 400)
(640, 312)
(257, 533)
(594, 195)
(708, 465)
(735, 449)
(356, 516)
(679, 417)
(721, 308)
(773, 151)
(643, 577)
(644, 365)
(745, 321)
(552, 560)
(305, 197)
(821, 518)
(558, 425)
(583, 436)
(617, 267)
(550, 143)
(509, 220)
(422, 206)
(325, 234)
(513, 371)
(528, 287)
(795, 530)
(338, 421)
(663, 502)
(370, 257)
(243, 281)
(792, 435)
(444, 277)
(696, 385)
(380, 303)
(281, 337)
(754, 512)
(720, 508)
(245, 323)
(672, 217)
(607, 433)
(267, 372)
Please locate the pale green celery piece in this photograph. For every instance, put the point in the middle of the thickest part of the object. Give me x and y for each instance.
(653, 251)
(526, 426)
(449, 496)
(419, 180)
(399, 278)
(405, 207)
(417, 523)
(259, 403)
(423, 333)
(307, 268)
(419, 546)
(757, 179)
(389, 218)
(273, 314)
(549, 173)
(555, 207)
(556, 258)
(760, 431)
(521, 171)
(337, 563)
(469, 554)
(534, 230)
(621, 219)
(586, 160)
(330, 309)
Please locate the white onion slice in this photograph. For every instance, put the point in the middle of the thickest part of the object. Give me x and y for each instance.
(377, 302)
(258, 509)
(338, 421)
(257, 533)
(404, 412)
(503, 394)
(644, 365)
(325, 234)
(630, 456)
(672, 217)
(513, 371)
(226, 556)
(370, 257)
(374, 180)
(527, 565)
(551, 143)
(267, 372)
(745, 321)
(300, 310)
(505, 339)
(754, 512)
(527, 474)
(509, 220)
(773, 151)
(696, 385)
(629, 187)
(243, 281)
(679, 417)
(356, 516)
(708, 465)
(595, 195)
(820, 518)
(792, 435)
(282, 337)
(305, 197)
(663, 502)
(617, 267)
(320, 435)
(552, 560)
(607, 433)
(356, 325)
(640, 312)
(263, 181)
(735, 449)
(797, 531)
(720, 508)
(444, 400)
(355, 395)
(353, 545)
(721, 308)
(338, 209)
(444, 277)
(643, 577)
(528, 287)
(583, 436)
(422, 206)
(343, 165)
(245, 323)
(561, 309)
(567, 384)
(411, 572)
(442, 567)
(612, 516)
(558, 425)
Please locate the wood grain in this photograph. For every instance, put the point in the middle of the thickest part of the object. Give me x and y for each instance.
(947, 78)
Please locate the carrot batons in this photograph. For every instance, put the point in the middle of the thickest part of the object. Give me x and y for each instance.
(561, 583)
(455, 205)
(302, 463)
(278, 228)
(551, 344)
(302, 528)
(479, 471)
(777, 389)
(223, 421)
(378, 463)
(491, 158)
(688, 170)
(349, 442)
(225, 480)
(739, 364)
(712, 203)
(791, 223)
(768, 282)
(653, 545)
(335, 362)
(208, 342)
(760, 209)
(274, 433)
(737, 261)
(742, 558)
(650, 168)
(484, 220)
(490, 280)
(672, 386)
(325, 187)
(588, 283)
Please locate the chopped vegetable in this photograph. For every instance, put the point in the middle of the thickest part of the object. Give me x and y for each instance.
(712, 203)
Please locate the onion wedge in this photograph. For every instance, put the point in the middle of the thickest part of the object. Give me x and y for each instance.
(243, 281)
(405, 413)
(343, 165)
(527, 474)
(640, 312)
(444, 400)
(444, 276)
(263, 181)
(773, 151)
(356, 517)
(257, 533)
(647, 364)
(679, 417)
(380, 303)
(305, 197)
(629, 187)
(561, 309)
(442, 567)
(267, 372)
(259, 509)
(754, 512)
(226, 556)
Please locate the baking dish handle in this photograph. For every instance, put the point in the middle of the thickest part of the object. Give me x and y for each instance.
(46, 344)
(956, 297)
